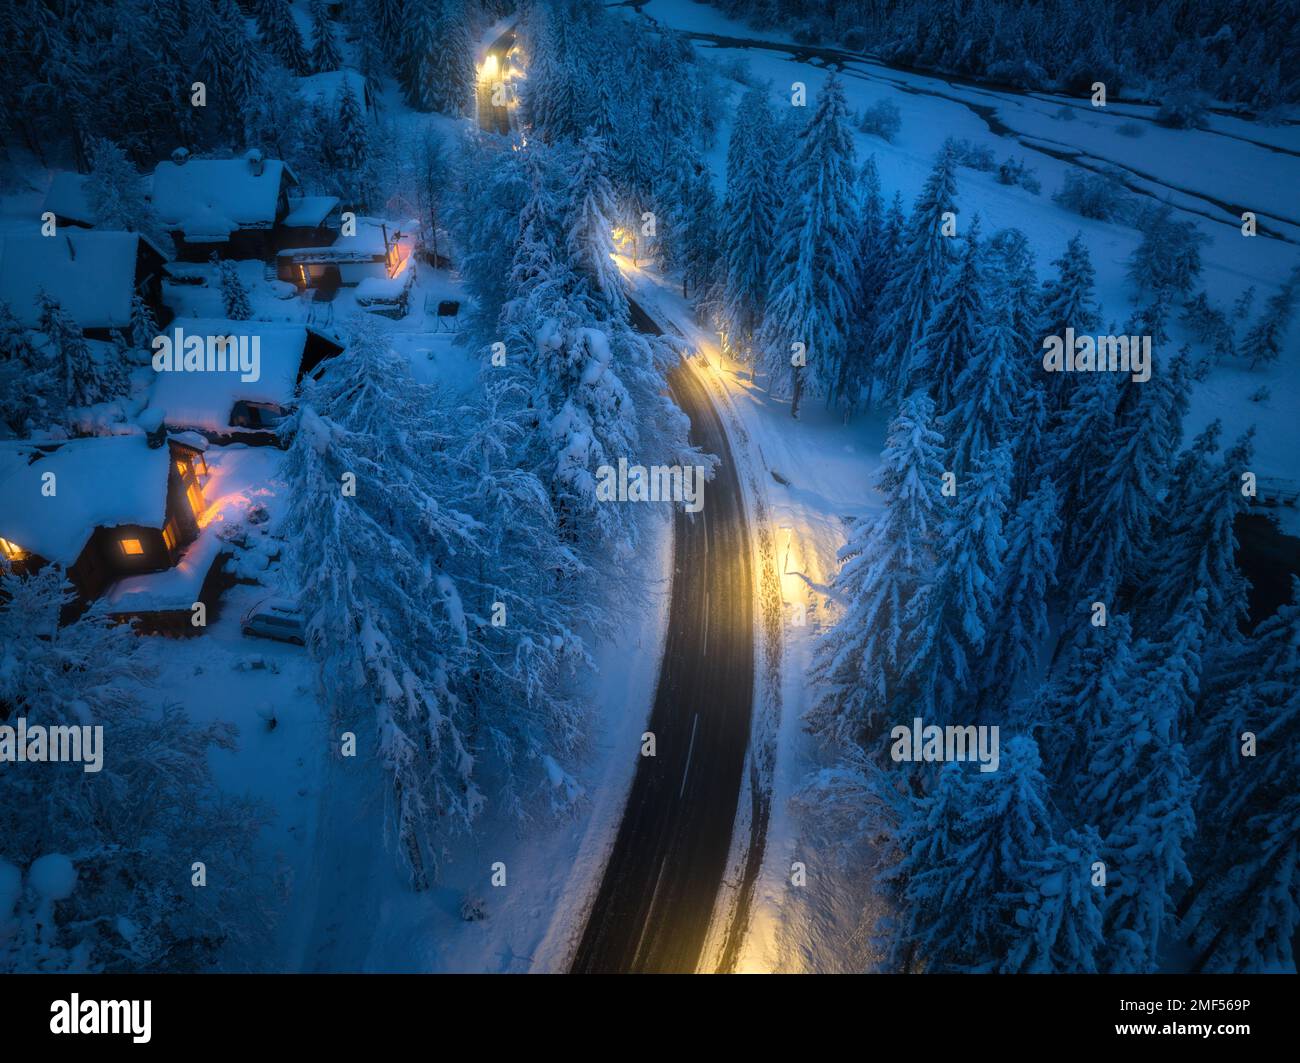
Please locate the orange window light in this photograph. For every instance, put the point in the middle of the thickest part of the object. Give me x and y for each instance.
(132, 547)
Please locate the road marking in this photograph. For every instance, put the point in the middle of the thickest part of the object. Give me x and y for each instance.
(694, 722)
(705, 649)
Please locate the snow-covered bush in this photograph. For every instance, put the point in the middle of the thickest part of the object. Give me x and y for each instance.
(883, 119)
(1184, 109)
(1094, 195)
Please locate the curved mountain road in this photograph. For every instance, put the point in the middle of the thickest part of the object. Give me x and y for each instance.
(656, 899)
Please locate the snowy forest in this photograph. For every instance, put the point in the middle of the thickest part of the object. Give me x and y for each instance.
(385, 682)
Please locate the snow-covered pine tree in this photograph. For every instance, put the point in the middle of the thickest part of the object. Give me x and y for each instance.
(749, 219)
(873, 260)
(281, 36)
(234, 296)
(1244, 909)
(32, 393)
(325, 54)
(115, 194)
(1067, 301)
(1168, 261)
(917, 283)
(1263, 343)
(390, 637)
(1016, 641)
(1115, 519)
(84, 379)
(886, 560)
(962, 896)
(524, 573)
(452, 68)
(986, 394)
(437, 70)
(487, 191)
(353, 149)
(811, 273)
(696, 237)
(1137, 790)
(1079, 449)
(589, 241)
(1090, 683)
(1196, 547)
(557, 90)
(386, 18)
(957, 328)
(955, 609)
(927, 839)
(1062, 916)
(229, 62)
(144, 326)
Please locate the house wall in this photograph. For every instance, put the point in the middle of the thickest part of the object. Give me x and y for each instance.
(102, 559)
(243, 244)
(305, 236)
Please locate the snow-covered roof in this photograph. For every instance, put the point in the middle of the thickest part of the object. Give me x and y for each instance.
(172, 589)
(91, 273)
(213, 197)
(309, 211)
(67, 198)
(204, 400)
(365, 245)
(99, 482)
(326, 88)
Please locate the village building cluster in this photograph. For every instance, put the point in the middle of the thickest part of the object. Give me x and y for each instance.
(130, 516)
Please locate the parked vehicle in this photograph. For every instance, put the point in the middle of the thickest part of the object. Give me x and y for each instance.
(276, 618)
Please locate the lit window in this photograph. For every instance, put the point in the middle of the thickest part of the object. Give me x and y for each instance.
(132, 547)
(10, 550)
(196, 500)
(182, 468)
(169, 537)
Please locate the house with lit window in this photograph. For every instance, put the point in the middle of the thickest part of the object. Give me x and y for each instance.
(376, 254)
(104, 509)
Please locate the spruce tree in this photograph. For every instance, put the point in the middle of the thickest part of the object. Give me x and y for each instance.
(882, 567)
(955, 610)
(589, 234)
(955, 327)
(812, 272)
(1197, 544)
(962, 900)
(234, 296)
(281, 36)
(1067, 301)
(986, 393)
(1263, 343)
(749, 221)
(1028, 574)
(917, 284)
(1244, 910)
(325, 54)
(353, 152)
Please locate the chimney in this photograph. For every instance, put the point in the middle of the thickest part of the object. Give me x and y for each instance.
(181, 156)
(256, 162)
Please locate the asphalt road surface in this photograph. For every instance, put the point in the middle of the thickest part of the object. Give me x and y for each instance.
(655, 901)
